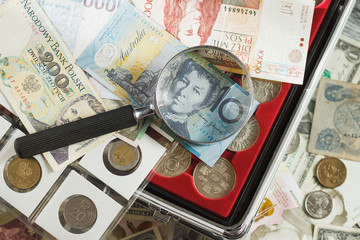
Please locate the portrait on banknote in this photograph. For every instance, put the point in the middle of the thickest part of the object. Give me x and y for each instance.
(190, 89)
(191, 21)
(82, 107)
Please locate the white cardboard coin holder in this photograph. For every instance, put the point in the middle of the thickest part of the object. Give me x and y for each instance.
(25, 202)
(74, 183)
(125, 185)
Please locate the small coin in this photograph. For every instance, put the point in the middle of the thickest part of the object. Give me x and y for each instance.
(331, 172)
(121, 158)
(246, 137)
(22, 174)
(175, 162)
(264, 90)
(215, 182)
(318, 204)
(295, 142)
(77, 214)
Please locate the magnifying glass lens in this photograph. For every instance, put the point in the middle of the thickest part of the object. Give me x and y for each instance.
(197, 98)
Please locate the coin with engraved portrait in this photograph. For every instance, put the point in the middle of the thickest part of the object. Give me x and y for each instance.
(318, 204)
(246, 137)
(175, 162)
(331, 172)
(77, 214)
(121, 158)
(22, 174)
(214, 182)
(264, 90)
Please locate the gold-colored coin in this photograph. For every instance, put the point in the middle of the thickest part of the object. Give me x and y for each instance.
(22, 174)
(121, 158)
(123, 155)
(331, 172)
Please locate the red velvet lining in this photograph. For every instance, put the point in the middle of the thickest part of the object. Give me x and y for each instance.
(183, 186)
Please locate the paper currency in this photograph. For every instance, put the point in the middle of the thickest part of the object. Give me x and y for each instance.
(247, 29)
(351, 28)
(326, 231)
(40, 78)
(335, 130)
(126, 57)
(78, 21)
(344, 62)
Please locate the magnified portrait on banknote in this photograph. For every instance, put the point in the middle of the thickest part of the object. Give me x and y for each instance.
(190, 88)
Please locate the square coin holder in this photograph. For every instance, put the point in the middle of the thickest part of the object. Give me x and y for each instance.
(126, 182)
(25, 202)
(74, 184)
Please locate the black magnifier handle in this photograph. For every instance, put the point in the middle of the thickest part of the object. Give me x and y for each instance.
(73, 132)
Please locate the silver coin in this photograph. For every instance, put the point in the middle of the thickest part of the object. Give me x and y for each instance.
(295, 142)
(318, 204)
(246, 137)
(175, 162)
(77, 214)
(121, 158)
(264, 90)
(215, 182)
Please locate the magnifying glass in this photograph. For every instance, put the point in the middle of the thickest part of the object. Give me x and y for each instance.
(195, 96)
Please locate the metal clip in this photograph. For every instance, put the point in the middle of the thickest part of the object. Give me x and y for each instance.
(162, 215)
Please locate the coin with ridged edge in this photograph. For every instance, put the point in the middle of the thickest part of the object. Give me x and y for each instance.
(77, 214)
(121, 158)
(22, 174)
(331, 172)
(214, 182)
(318, 204)
(246, 137)
(175, 162)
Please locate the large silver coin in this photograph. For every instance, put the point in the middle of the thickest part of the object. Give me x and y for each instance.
(215, 182)
(246, 137)
(318, 204)
(175, 162)
(264, 90)
(77, 214)
(121, 158)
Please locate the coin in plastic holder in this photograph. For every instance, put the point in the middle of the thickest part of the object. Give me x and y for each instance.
(246, 137)
(22, 174)
(214, 182)
(77, 214)
(121, 158)
(264, 90)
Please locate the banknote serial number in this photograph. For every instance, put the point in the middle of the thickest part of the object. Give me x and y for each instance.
(239, 10)
(22, 96)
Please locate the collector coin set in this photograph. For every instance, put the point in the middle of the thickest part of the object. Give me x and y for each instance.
(74, 202)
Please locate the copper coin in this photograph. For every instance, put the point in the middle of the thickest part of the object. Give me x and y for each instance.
(121, 158)
(22, 174)
(77, 214)
(246, 137)
(318, 204)
(331, 172)
(214, 182)
(175, 162)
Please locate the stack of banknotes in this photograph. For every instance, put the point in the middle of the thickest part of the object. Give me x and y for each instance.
(312, 196)
(51, 43)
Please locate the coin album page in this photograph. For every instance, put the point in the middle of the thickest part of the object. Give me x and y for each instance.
(124, 182)
(26, 202)
(102, 210)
